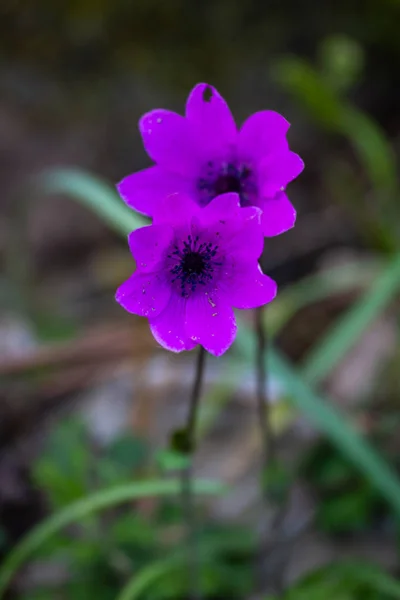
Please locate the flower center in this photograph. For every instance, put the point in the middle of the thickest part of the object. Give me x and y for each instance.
(192, 264)
(219, 177)
(227, 183)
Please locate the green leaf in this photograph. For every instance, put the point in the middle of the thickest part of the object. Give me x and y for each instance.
(87, 506)
(211, 551)
(124, 456)
(93, 193)
(345, 512)
(329, 421)
(372, 147)
(350, 579)
(346, 331)
(342, 60)
(337, 115)
(171, 460)
(319, 286)
(63, 469)
(338, 428)
(299, 78)
(146, 577)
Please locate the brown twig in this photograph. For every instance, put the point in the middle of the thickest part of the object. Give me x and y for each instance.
(98, 345)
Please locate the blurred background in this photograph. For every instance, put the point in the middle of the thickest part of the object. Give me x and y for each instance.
(88, 399)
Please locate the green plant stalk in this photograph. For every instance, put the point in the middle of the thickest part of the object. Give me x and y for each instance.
(326, 355)
(187, 481)
(89, 505)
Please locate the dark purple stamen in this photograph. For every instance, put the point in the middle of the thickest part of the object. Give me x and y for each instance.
(193, 264)
(227, 183)
(222, 178)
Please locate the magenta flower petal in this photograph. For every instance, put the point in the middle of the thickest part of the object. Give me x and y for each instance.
(249, 229)
(278, 170)
(204, 156)
(244, 225)
(211, 322)
(188, 269)
(176, 209)
(228, 205)
(211, 119)
(144, 294)
(278, 216)
(145, 189)
(262, 134)
(251, 289)
(169, 327)
(147, 245)
(169, 141)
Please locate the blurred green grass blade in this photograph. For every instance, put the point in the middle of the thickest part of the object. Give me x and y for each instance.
(351, 576)
(300, 79)
(87, 506)
(373, 576)
(318, 287)
(335, 114)
(210, 550)
(372, 147)
(141, 581)
(93, 193)
(338, 429)
(325, 355)
(328, 420)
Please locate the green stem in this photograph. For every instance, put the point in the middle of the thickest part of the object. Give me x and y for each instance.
(187, 482)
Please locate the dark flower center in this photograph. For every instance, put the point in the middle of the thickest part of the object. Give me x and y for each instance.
(192, 264)
(223, 177)
(227, 183)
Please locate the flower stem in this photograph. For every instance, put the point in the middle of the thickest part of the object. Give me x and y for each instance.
(187, 481)
(195, 397)
(270, 530)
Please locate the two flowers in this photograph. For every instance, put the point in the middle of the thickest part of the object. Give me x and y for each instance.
(214, 193)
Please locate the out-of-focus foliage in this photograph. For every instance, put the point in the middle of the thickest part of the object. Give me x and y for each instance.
(323, 95)
(339, 61)
(324, 358)
(95, 194)
(345, 581)
(346, 502)
(103, 551)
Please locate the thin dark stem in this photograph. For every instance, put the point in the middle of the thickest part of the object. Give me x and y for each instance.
(195, 397)
(187, 481)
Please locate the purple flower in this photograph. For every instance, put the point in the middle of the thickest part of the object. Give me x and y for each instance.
(204, 155)
(193, 266)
